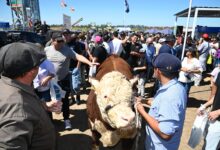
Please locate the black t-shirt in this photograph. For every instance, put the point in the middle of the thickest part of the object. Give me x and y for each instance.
(132, 60)
(126, 53)
(141, 62)
(216, 102)
(100, 53)
(76, 46)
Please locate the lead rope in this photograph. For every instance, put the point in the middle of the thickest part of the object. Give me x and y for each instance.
(138, 121)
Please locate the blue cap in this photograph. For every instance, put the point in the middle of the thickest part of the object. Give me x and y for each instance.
(167, 62)
(165, 49)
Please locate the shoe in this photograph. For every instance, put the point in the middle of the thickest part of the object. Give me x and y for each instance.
(71, 100)
(67, 124)
(77, 99)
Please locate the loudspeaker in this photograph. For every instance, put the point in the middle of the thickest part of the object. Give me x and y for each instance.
(179, 30)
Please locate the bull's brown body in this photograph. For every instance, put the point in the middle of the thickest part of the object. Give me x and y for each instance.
(113, 63)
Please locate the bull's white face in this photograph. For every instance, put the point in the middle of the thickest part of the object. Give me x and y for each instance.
(114, 93)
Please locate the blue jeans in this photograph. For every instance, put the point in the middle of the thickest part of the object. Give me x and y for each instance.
(150, 72)
(75, 80)
(187, 87)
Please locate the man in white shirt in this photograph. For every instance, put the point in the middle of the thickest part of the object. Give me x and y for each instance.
(116, 45)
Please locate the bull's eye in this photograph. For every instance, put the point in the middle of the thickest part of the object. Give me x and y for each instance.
(108, 107)
(105, 96)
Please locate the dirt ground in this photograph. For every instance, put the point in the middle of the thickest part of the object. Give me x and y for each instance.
(79, 138)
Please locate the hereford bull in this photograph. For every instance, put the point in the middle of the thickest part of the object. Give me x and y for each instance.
(109, 104)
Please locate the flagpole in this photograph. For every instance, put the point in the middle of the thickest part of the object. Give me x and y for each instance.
(124, 20)
(125, 11)
(187, 26)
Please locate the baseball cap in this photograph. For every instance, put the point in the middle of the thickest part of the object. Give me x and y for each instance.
(19, 58)
(167, 62)
(57, 36)
(66, 31)
(98, 39)
(205, 36)
(161, 40)
(170, 38)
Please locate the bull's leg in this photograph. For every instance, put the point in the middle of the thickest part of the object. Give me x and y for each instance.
(95, 138)
(95, 147)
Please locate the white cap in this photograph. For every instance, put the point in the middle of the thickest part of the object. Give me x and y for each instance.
(161, 40)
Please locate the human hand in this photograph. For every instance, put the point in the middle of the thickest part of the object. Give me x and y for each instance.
(184, 69)
(188, 71)
(149, 101)
(44, 81)
(93, 64)
(139, 105)
(201, 110)
(54, 106)
(213, 115)
(135, 69)
(127, 38)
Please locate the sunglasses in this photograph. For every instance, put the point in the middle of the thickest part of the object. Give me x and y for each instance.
(60, 41)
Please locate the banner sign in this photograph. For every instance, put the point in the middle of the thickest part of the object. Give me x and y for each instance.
(67, 22)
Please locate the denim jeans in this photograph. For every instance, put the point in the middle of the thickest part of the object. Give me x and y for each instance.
(187, 87)
(75, 80)
(150, 72)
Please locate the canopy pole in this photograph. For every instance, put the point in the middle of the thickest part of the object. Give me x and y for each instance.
(194, 23)
(175, 26)
(187, 26)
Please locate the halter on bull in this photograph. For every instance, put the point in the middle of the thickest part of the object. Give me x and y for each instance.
(109, 105)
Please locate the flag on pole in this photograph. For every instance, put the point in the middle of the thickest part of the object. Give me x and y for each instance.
(30, 23)
(63, 4)
(126, 7)
(72, 9)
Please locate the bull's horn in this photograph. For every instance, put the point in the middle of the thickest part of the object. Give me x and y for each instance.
(95, 83)
(133, 80)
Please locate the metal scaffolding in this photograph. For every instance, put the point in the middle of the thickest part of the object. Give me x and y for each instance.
(24, 13)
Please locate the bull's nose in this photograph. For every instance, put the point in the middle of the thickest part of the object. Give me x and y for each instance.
(128, 118)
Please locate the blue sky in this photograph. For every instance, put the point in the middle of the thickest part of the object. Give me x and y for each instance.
(142, 12)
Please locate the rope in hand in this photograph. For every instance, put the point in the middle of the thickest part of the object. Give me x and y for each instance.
(138, 121)
(138, 117)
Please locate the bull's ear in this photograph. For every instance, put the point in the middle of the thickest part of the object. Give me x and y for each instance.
(95, 83)
(133, 80)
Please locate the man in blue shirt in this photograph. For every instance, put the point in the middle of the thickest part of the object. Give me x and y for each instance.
(168, 46)
(167, 112)
(150, 53)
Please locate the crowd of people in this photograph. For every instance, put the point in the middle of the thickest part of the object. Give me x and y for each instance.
(27, 70)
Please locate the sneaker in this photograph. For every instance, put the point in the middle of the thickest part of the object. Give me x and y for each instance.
(67, 124)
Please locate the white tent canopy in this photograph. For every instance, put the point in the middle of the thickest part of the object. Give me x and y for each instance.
(209, 12)
(198, 12)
